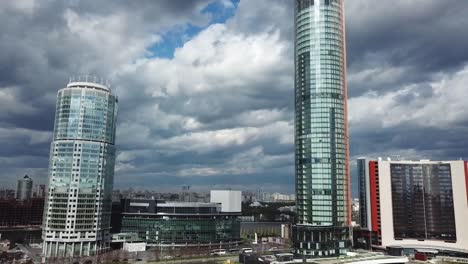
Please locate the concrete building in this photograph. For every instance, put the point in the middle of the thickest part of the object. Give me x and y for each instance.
(231, 201)
(355, 209)
(276, 197)
(81, 171)
(24, 188)
(279, 197)
(40, 191)
(249, 197)
(321, 131)
(418, 204)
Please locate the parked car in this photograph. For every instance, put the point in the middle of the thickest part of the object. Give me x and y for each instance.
(233, 250)
(218, 252)
(246, 250)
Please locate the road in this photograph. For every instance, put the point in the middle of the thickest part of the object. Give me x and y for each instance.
(233, 258)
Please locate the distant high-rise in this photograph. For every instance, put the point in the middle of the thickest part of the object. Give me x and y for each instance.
(24, 188)
(321, 132)
(41, 191)
(81, 171)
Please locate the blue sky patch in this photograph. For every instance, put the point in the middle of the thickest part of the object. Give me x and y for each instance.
(176, 37)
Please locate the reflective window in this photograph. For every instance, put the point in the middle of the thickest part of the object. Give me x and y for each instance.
(422, 201)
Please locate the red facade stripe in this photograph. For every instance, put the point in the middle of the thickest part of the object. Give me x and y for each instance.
(345, 92)
(373, 195)
(465, 164)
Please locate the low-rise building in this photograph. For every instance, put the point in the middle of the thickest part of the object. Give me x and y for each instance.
(21, 220)
(161, 223)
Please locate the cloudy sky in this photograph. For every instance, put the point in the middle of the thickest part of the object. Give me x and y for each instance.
(206, 87)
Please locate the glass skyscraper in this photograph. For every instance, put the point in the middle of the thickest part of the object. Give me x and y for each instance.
(321, 134)
(81, 171)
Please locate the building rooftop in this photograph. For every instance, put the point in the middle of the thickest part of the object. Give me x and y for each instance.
(27, 178)
(429, 247)
(188, 204)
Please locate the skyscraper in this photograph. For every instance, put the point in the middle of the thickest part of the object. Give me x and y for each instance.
(81, 171)
(24, 188)
(321, 132)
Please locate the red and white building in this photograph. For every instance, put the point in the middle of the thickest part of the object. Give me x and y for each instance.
(418, 204)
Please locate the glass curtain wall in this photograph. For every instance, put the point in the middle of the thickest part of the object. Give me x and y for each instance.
(81, 171)
(422, 201)
(322, 181)
(183, 229)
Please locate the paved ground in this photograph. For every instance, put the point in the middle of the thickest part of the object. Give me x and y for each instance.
(33, 253)
(149, 256)
(233, 258)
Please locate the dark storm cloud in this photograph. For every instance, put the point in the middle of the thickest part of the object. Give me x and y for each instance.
(40, 48)
(42, 43)
(220, 113)
(419, 38)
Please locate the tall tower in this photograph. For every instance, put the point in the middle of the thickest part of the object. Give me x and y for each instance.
(24, 188)
(321, 133)
(81, 171)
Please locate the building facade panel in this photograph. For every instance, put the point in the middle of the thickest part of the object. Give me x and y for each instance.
(422, 201)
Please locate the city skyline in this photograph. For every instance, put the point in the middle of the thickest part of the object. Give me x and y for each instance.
(229, 121)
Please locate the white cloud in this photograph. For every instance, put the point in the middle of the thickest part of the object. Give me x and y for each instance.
(208, 141)
(109, 36)
(212, 140)
(219, 61)
(445, 107)
(377, 77)
(261, 117)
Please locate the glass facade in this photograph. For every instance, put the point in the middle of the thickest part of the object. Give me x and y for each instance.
(183, 229)
(24, 188)
(81, 171)
(179, 223)
(321, 154)
(422, 201)
(362, 167)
